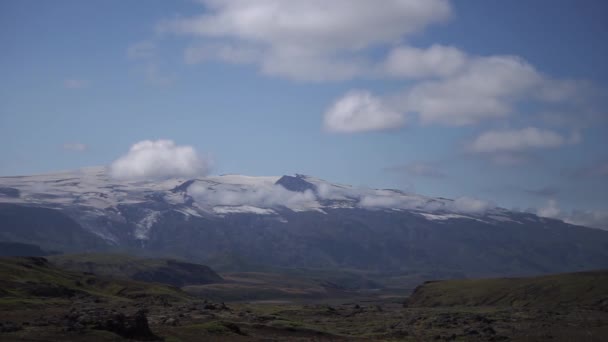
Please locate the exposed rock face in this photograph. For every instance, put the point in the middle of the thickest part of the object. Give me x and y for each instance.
(297, 183)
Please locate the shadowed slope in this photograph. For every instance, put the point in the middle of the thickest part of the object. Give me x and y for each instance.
(165, 271)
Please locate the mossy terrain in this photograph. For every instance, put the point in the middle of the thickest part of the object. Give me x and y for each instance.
(40, 301)
(583, 289)
(303, 285)
(123, 266)
(36, 280)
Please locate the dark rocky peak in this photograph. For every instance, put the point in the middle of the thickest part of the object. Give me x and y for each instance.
(295, 183)
(183, 187)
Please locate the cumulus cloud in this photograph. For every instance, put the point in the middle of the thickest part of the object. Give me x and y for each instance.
(435, 61)
(309, 39)
(484, 88)
(419, 169)
(467, 89)
(318, 40)
(456, 89)
(159, 159)
(360, 111)
(76, 147)
(516, 140)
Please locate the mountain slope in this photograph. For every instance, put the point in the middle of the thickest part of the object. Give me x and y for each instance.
(166, 271)
(584, 289)
(9, 249)
(246, 223)
(49, 228)
(26, 278)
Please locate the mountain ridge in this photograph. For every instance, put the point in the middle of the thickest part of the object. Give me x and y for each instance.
(316, 224)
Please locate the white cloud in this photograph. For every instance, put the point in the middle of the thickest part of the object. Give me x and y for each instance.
(388, 202)
(516, 140)
(462, 205)
(159, 159)
(463, 90)
(391, 201)
(587, 218)
(333, 192)
(486, 88)
(74, 83)
(310, 39)
(457, 89)
(360, 111)
(272, 196)
(304, 65)
(550, 210)
(470, 205)
(320, 40)
(436, 61)
(76, 147)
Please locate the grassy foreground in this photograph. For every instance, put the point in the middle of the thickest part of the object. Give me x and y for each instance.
(40, 301)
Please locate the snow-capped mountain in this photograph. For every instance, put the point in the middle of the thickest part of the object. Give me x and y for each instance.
(89, 193)
(286, 220)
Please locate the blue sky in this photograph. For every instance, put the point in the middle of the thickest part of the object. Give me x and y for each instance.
(500, 100)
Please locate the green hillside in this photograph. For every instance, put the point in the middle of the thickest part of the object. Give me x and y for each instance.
(121, 266)
(39, 301)
(31, 278)
(581, 289)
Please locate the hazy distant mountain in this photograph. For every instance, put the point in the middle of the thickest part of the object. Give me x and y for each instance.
(290, 221)
(21, 249)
